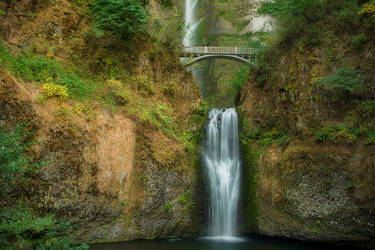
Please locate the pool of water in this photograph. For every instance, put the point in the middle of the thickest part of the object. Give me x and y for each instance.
(206, 243)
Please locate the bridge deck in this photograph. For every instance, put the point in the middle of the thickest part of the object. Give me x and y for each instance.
(218, 50)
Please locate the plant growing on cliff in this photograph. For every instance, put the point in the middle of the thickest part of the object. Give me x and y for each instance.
(285, 9)
(12, 160)
(371, 138)
(293, 13)
(55, 90)
(368, 9)
(165, 3)
(21, 229)
(359, 41)
(41, 69)
(336, 134)
(342, 82)
(123, 18)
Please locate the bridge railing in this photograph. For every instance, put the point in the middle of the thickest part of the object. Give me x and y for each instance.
(218, 50)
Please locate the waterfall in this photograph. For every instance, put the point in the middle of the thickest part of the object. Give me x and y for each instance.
(190, 22)
(220, 154)
(222, 167)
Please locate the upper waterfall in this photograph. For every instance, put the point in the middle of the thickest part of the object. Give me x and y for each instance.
(191, 23)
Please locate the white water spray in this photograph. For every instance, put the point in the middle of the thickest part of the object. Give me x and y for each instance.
(222, 166)
(191, 24)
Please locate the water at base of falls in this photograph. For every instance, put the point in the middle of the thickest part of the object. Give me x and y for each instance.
(221, 159)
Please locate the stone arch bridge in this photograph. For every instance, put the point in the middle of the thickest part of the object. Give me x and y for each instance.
(197, 54)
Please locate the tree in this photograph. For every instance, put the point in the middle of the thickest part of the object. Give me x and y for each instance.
(286, 9)
(123, 18)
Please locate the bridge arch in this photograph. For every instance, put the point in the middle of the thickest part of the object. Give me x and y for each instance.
(207, 57)
(200, 53)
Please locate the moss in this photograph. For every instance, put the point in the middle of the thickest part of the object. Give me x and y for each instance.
(168, 206)
(314, 74)
(317, 227)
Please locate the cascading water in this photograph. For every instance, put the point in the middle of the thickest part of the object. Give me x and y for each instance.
(190, 22)
(221, 152)
(221, 158)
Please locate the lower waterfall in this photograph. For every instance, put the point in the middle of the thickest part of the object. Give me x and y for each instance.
(221, 159)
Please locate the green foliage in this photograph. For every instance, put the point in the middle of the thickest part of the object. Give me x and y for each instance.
(342, 82)
(165, 3)
(262, 70)
(368, 9)
(294, 13)
(240, 78)
(360, 120)
(20, 228)
(12, 146)
(264, 139)
(370, 138)
(336, 134)
(42, 69)
(144, 85)
(361, 115)
(271, 137)
(312, 37)
(168, 206)
(185, 198)
(121, 94)
(359, 41)
(32, 68)
(83, 6)
(232, 11)
(285, 9)
(123, 18)
(348, 17)
(52, 89)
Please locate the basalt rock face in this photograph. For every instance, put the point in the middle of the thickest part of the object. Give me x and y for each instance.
(302, 186)
(316, 193)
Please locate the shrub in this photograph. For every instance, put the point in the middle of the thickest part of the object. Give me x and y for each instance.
(165, 3)
(240, 78)
(41, 69)
(285, 9)
(312, 37)
(76, 87)
(359, 40)
(262, 69)
(348, 15)
(123, 18)
(168, 206)
(55, 90)
(336, 134)
(341, 82)
(370, 138)
(34, 68)
(293, 13)
(362, 114)
(120, 93)
(145, 85)
(368, 9)
(20, 228)
(12, 147)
